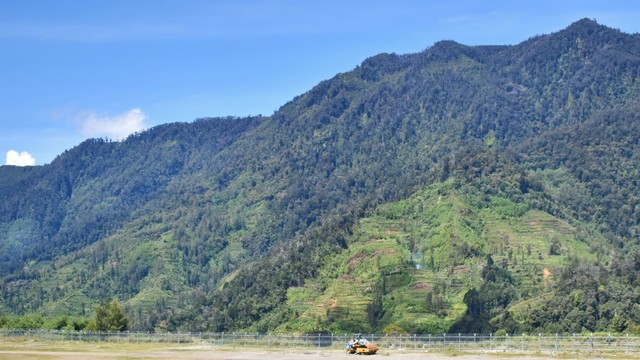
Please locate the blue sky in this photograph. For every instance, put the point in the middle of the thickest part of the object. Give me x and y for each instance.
(76, 69)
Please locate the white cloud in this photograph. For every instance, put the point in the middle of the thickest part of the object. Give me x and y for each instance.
(19, 158)
(115, 127)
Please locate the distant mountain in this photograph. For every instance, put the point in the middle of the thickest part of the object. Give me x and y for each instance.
(462, 188)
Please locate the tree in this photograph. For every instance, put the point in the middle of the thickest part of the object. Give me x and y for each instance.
(554, 246)
(110, 316)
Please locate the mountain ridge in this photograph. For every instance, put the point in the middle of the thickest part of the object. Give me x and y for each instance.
(209, 225)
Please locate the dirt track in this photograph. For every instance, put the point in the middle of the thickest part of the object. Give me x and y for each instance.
(77, 351)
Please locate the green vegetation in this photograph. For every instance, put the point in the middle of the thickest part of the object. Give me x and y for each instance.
(447, 259)
(486, 188)
(109, 317)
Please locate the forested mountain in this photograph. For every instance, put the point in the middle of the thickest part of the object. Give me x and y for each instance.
(462, 188)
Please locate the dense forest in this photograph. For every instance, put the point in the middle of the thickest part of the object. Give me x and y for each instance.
(462, 188)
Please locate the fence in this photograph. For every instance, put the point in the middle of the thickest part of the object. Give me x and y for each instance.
(523, 343)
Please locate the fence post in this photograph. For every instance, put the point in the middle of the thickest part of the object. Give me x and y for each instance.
(490, 341)
(627, 347)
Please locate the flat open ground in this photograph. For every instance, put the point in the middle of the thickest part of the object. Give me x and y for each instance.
(76, 351)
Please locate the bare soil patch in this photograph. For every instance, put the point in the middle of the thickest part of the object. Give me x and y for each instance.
(111, 351)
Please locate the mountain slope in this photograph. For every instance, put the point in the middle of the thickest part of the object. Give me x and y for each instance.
(93, 188)
(213, 225)
(412, 263)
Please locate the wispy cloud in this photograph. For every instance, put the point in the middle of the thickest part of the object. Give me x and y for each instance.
(115, 127)
(19, 158)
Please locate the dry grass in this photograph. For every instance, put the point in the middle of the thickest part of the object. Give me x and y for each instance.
(18, 350)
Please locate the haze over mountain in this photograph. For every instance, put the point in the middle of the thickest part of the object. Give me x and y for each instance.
(462, 188)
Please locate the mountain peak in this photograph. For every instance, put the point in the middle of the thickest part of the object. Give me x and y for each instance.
(445, 50)
(589, 28)
(586, 24)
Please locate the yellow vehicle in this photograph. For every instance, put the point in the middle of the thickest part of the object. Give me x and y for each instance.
(361, 346)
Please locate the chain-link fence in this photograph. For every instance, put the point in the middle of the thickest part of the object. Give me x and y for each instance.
(522, 343)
